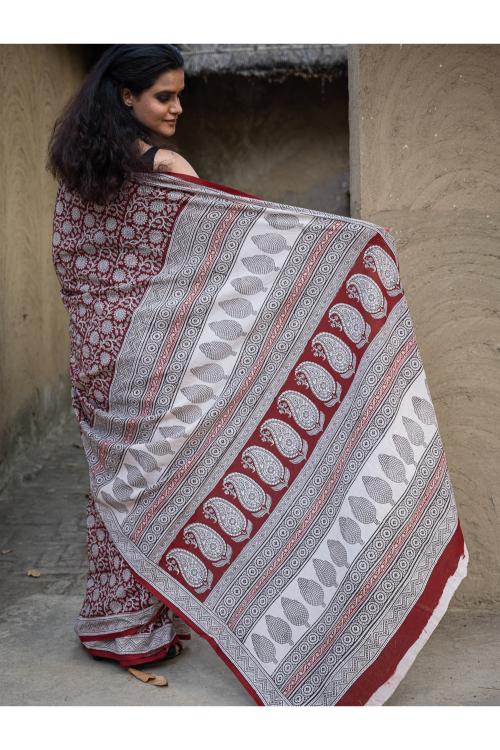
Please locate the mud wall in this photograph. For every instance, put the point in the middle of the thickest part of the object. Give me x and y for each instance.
(35, 81)
(286, 141)
(425, 160)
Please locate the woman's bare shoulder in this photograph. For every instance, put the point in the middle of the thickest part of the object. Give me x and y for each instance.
(170, 161)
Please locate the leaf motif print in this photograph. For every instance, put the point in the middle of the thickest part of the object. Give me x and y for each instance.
(312, 592)
(209, 373)
(393, 468)
(248, 285)
(279, 630)
(270, 243)
(161, 448)
(121, 489)
(363, 510)
(173, 431)
(198, 394)
(414, 431)
(109, 500)
(187, 413)
(237, 308)
(264, 648)
(379, 490)
(325, 572)
(350, 530)
(424, 410)
(145, 461)
(295, 612)
(259, 264)
(216, 350)
(338, 553)
(404, 448)
(134, 476)
(282, 221)
(229, 330)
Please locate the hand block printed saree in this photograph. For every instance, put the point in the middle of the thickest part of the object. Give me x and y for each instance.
(264, 458)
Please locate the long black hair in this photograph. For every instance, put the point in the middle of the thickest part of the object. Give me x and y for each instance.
(91, 148)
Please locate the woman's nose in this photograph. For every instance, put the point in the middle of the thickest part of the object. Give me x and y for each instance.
(177, 107)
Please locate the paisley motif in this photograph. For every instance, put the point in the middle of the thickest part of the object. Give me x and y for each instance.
(209, 542)
(377, 260)
(336, 352)
(285, 438)
(348, 319)
(249, 494)
(319, 380)
(363, 288)
(231, 520)
(190, 567)
(268, 467)
(302, 410)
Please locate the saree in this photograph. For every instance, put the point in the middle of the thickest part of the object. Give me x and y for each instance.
(265, 464)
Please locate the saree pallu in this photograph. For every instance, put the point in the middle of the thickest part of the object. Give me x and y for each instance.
(264, 458)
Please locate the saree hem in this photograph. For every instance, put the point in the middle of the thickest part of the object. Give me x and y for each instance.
(134, 659)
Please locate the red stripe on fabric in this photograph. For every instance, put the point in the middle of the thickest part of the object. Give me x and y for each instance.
(386, 663)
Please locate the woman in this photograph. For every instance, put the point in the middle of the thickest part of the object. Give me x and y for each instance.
(122, 120)
(264, 458)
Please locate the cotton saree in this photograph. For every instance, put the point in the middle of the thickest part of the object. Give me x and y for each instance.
(265, 464)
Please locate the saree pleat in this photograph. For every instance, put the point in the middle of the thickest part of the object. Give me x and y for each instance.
(265, 462)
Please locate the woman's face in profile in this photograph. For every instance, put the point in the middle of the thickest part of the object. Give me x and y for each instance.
(158, 107)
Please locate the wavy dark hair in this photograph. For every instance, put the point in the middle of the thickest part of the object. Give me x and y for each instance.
(91, 148)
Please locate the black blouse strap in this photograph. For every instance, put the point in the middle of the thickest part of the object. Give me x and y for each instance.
(148, 156)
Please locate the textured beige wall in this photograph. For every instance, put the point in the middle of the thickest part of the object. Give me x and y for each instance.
(425, 160)
(35, 81)
(285, 141)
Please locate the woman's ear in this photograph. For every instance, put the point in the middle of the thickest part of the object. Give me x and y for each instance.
(126, 96)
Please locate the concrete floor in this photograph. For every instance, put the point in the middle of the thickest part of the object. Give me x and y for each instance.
(43, 523)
